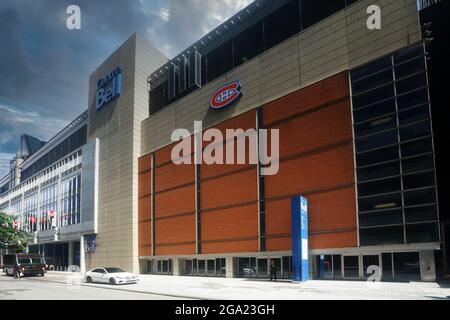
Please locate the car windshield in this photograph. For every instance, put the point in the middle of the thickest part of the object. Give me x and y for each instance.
(37, 260)
(114, 270)
(24, 260)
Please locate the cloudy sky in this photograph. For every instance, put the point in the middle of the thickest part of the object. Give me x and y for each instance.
(44, 67)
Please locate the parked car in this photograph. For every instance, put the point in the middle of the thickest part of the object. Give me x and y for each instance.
(113, 276)
(27, 264)
(249, 271)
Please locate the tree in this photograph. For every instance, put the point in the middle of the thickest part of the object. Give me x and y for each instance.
(10, 236)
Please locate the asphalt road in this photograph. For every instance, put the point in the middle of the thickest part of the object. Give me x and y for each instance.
(39, 289)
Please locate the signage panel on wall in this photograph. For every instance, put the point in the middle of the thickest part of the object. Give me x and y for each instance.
(90, 243)
(226, 96)
(300, 240)
(109, 88)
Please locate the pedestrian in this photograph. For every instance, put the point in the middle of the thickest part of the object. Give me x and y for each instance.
(273, 271)
(17, 272)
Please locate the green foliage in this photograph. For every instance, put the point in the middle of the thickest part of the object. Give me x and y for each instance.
(10, 236)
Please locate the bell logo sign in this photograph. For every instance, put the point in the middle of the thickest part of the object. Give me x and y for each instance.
(109, 88)
(226, 96)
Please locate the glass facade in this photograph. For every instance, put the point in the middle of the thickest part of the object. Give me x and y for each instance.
(397, 200)
(206, 267)
(4, 188)
(70, 201)
(30, 213)
(72, 143)
(276, 22)
(254, 267)
(48, 208)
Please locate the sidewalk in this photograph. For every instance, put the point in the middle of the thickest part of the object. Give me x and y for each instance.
(246, 289)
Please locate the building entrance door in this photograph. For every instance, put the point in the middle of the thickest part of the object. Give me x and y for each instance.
(351, 267)
(263, 271)
(278, 265)
(371, 264)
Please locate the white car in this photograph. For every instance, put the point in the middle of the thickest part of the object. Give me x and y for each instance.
(112, 276)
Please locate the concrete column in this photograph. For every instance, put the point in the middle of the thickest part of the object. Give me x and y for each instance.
(231, 267)
(427, 266)
(70, 253)
(82, 256)
(178, 267)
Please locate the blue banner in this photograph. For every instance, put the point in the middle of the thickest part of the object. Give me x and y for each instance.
(300, 254)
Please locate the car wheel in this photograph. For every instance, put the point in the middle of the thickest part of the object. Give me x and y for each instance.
(89, 279)
(112, 281)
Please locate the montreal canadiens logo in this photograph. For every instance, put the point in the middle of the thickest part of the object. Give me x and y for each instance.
(226, 96)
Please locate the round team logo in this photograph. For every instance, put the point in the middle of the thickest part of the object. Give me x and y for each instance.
(226, 96)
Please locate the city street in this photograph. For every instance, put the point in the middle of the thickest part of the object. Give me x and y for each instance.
(54, 287)
(58, 286)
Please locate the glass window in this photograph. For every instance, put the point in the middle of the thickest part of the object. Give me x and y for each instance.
(371, 97)
(247, 267)
(412, 99)
(379, 171)
(413, 115)
(201, 267)
(411, 83)
(410, 67)
(337, 267)
(374, 111)
(220, 61)
(376, 125)
(194, 267)
(188, 266)
(377, 141)
(421, 214)
(373, 81)
(369, 261)
(377, 156)
(211, 267)
(282, 24)
(314, 11)
(371, 68)
(387, 267)
(221, 267)
(379, 187)
(414, 131)
(262, 268)
(420, 180)
(416, 233)
(158, 97)
(382, 218)
(165, 266)
(351, 267)
(407, 266)
(417, 147)
(286, 268)
(408, 54)
(381, 236)
(248, 44)
(389, 201)
(419, 197)
(325, 267)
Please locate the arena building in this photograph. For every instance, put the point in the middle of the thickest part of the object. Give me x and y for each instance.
(353, 109)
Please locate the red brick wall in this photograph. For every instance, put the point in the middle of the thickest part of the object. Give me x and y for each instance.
(316, 161)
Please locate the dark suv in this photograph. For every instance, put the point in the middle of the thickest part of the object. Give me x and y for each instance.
(25, 264)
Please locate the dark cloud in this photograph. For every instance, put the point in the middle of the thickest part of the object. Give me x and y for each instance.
(45, 68)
